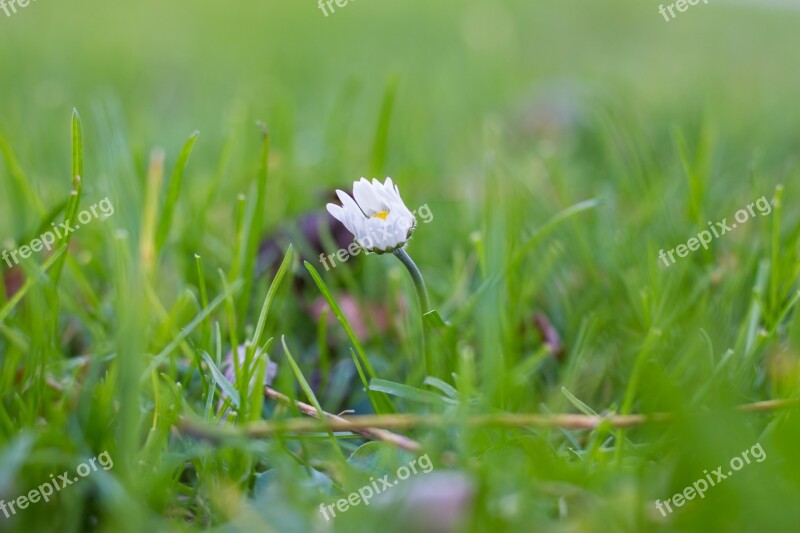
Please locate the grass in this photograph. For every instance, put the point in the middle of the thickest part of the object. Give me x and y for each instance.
(559, 147)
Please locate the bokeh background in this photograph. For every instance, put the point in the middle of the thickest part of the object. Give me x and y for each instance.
(498, 115)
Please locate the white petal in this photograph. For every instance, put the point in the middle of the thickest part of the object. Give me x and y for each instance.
(400, 207)
(342, 216)
(343, 196)
(394, 192)
(386, 234)
(349, 204)
(349, 214)
(375, 237)
(357, 224)
(403, 225)
(367, 197)
(391, 199)
(390, 188)
(382, 192)
(336, 212)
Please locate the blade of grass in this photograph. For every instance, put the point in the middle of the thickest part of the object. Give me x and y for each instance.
(147, 247)
(337, 311)
(230, 310)
(29, 282)
(322, 347)
(513, 264)
(220, 379)
(185, 332)
(173, 191)
(775, 278)
(273, 289)
(408, 392)
(201, 282)
(309, 393)
(77, 189)
(444, 387)
(382, 128)
(20, 180)
(252, 346)
(579, 405)
(372, 399)
(256, 222)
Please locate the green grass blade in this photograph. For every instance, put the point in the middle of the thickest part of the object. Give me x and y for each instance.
(273, 289)
(518, 257)
(372, 398)
(220, 379)
(185, 332)
(256, 223)
(337, 311)
(382, 128)
(309, 393)
(444, 387)
(77, 189)
(252, 347)
(173, 192)
(29, 282)
(407, 392)
(19, 178)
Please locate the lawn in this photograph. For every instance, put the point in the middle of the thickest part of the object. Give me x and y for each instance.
(593, 326)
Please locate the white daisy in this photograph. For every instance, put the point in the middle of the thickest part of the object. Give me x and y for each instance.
(377, 218)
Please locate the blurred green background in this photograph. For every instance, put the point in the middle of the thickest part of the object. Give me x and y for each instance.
(503, 113)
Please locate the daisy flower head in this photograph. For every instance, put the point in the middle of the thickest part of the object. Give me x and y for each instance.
(375, 215)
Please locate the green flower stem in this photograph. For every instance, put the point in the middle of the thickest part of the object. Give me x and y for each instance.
(422, 298)
(416, 275)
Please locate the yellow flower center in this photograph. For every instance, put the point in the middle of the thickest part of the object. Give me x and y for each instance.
(382, 215)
